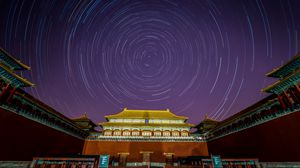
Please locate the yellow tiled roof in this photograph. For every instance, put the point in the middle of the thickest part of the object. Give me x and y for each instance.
(146, 124)
(146, 114)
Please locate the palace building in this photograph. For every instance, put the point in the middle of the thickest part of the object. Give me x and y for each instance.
(158, 136)
(263, 134)
(146, 123)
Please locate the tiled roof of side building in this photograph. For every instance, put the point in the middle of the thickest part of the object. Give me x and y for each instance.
(207, 120)
(84, 118)
(146, 114)
(6, 72)
(283, 83)
(10, 61)
(287, 68)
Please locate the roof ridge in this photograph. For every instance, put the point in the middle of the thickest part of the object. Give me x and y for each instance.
(134, 113)
(145, 110)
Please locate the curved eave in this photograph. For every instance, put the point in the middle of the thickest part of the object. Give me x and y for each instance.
(270, 87)
(272, 73)
(143, 124)
(284, 83)
(84, 120)
(15, 61)
(208, 121)
(80, 119)
(286, 69)
(9, 72)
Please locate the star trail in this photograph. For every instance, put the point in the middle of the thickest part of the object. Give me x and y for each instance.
(194, 57)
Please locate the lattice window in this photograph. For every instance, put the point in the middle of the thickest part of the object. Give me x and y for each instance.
(175, 133)
(146, 133)
(184, 134)
(126, 133)
(157, 133)
(135, 133)
(107, 133)
(117, 133)
(166, 133)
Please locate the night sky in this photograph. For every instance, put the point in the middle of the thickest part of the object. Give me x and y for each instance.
(193, 57)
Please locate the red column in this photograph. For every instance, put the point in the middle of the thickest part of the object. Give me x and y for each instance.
(297, 88)
(297, 91)
(5, 90)
(3, 95)
(287, 98)
(295, 94)
(11, 94)
(282, 104)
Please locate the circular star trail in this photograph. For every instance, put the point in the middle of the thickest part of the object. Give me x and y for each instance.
(193, 57)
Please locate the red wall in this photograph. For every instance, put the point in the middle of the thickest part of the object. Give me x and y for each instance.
(23, 139)
(274, 141)
(180, 149)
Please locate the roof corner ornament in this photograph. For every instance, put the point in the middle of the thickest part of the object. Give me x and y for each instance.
(206, 116)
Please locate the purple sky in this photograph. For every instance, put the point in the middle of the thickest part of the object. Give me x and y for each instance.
(193, 57)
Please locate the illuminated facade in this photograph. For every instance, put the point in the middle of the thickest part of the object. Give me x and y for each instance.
(146, 123)
(138, 137)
